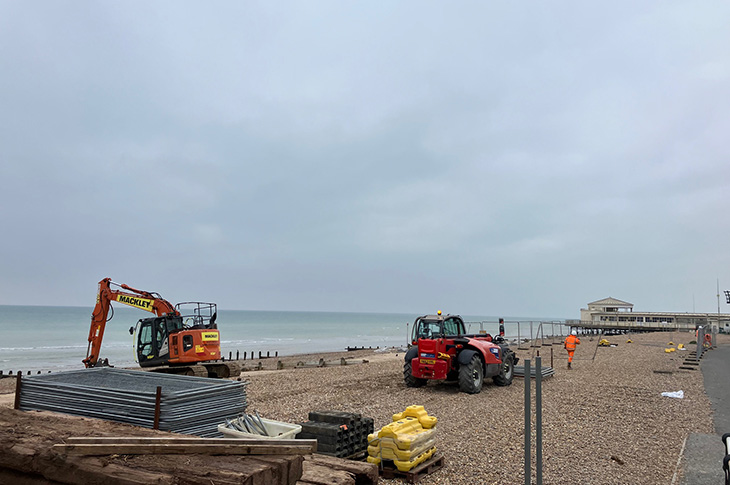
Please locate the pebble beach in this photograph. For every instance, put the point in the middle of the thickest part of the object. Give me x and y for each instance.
(604, 421)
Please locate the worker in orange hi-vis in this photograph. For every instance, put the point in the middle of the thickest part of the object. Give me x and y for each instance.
(571, 341)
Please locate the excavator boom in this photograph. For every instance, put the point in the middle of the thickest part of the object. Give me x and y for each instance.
(144, 300)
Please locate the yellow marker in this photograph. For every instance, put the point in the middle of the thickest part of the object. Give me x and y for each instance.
(210, 336)
(141, 303)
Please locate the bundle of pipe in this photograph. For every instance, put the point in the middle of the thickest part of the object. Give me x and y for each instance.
(187, 405)
(248, 423)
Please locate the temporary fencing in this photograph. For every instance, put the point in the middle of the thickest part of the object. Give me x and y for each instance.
(706, 340)
(181, 404)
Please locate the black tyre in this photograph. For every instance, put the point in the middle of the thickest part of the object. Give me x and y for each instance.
(409, 379)
(471, 376)
(504, 378)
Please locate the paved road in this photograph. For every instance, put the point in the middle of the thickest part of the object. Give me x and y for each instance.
(716, 371)
(703, 453)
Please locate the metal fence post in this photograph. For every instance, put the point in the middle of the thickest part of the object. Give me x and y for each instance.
(538, 419)
(528, 431)
(158, 399)
(700, 336)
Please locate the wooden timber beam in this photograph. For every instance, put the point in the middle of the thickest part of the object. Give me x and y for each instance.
(91, 446)
(179, 449)
(154, 440)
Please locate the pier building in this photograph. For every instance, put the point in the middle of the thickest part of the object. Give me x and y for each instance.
(614, 314)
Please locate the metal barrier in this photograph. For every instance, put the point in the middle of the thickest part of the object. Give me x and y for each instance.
(538, 336)
(706, 340)
(538, 423)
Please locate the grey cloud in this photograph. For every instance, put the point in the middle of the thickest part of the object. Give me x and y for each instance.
(485, 158)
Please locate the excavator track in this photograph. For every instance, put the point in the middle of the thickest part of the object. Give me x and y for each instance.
(214, 370)
(197, 371)
(223, 370)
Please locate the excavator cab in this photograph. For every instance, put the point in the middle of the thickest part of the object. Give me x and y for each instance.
(153, 339)
(188, 337)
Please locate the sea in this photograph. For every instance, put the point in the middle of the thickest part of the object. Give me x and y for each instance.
(55, 338)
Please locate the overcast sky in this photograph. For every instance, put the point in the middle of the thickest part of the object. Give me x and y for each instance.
(483, 158)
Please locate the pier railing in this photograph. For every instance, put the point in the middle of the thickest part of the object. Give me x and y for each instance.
(629, 325)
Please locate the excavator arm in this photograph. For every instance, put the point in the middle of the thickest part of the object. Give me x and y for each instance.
(151, 302)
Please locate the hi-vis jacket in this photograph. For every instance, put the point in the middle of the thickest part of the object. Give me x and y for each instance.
(570, 342)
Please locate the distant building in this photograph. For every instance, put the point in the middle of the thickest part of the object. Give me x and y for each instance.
(613, 313)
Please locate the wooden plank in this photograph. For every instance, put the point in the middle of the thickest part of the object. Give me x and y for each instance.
(314, 474)
(177, 449)
(364, 473)
(158, 399)
(291, 467)
(133, 440)
(18, 386)
(29, 454)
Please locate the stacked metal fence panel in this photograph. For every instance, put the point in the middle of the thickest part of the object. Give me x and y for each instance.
(188, 405)
(545, 371)
(338, 433)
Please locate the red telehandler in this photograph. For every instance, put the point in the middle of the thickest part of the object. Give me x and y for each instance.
(180, 339)
(442, 350)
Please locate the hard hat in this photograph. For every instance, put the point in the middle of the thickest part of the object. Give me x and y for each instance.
(573, 332)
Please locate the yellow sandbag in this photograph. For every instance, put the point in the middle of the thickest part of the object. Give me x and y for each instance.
(373, 459)
(388, 450)
(418, 412)
(407, 441)
(407, 433)
(402, 441)
(404, 466)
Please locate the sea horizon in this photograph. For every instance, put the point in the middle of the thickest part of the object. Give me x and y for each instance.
(50, 337)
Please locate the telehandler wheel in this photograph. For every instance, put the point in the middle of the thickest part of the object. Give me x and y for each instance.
(504, 378)
(471, 376)
(409, 379)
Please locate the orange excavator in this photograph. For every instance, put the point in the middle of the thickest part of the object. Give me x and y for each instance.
(180, 339)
